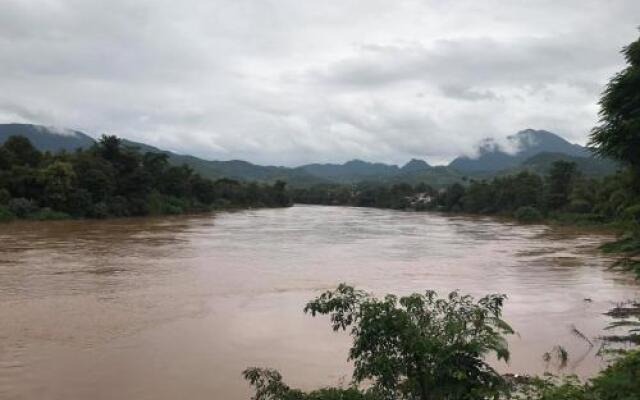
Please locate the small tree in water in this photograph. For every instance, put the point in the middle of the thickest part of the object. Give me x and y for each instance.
(415, 347)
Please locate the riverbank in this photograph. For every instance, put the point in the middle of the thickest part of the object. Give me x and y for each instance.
(47, 214)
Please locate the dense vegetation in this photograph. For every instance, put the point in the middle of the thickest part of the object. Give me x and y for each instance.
(536, 151)
(414, 347)
(112, 180)
(423, 347)
(561, 192)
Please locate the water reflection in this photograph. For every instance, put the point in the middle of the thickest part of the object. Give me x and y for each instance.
(176, 307)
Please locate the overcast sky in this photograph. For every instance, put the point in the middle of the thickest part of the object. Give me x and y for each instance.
(292, 81)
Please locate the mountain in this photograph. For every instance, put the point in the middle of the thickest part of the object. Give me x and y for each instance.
(541, 164)
(47, 138)
(437, 176)
(493, 157)
(351, 171)
(234, 169)
(358, 170)
(533, 150)
(415, 165)
(52, 139)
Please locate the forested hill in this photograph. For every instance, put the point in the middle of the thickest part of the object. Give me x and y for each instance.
(528, 150)
(47, 138)
(493, 156)
(110, 179)
(54, 140)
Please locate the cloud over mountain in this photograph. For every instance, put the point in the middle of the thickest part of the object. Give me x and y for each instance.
(290, 82)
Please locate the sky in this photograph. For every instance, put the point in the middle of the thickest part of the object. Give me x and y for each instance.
(288, 82)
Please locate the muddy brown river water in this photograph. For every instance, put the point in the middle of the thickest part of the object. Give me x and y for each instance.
(177, 307)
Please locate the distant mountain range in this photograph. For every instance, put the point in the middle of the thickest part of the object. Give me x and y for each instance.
(493, 157)
(46, 138)
(530, 149)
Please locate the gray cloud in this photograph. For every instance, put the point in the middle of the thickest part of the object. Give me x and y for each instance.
(287, 82)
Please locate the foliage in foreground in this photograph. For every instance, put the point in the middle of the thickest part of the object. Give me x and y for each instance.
(112, 180)
(425, 347)
(419, 346)
(619, 381)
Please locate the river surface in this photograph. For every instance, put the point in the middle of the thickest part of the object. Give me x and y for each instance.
(177, 307)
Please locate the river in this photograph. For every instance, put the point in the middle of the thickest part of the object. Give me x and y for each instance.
(177, 307)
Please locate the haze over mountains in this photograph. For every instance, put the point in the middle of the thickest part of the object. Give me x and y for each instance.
(528, 149)
(493, 156)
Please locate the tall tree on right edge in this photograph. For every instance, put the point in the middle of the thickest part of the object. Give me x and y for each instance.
(618, 134)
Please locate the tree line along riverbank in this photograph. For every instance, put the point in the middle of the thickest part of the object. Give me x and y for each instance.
(112, 180)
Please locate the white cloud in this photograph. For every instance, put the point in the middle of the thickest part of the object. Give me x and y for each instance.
(289, 82)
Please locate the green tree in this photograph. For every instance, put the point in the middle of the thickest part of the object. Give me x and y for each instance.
(20, 151)
(59, 180)
(618, 134)
(421, 346)
(268, 385)
(621, 380)
(452, 200)
(560, 182)
(109, 147)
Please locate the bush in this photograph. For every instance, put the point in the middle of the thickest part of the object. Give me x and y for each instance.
(577, 219)
(415, 347)
(155, 203)
(118, 207)
(5, 196)
(100, 210)
(221, 204)
(79, 203)
(620, 380)
(528, 214)
(632, 213)
(5, 214)
(580, 206)
(47, 214)
(21, 207)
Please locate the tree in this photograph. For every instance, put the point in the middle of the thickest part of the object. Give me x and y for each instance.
(112, 180)
(5, 159)
(453, 196)
(109, 147)
(20, 151)
(59, 180)
(560, 183)
(618, 135)
(421, 346)
(268, 385)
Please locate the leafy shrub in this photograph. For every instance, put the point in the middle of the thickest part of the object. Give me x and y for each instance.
(528, 214)
(268, 385)
(633, 213)
(620, 380)
(47, 214)
(155, 203)
(21, 207)
(80, 203)
(100, 210)
(118, 206)
(5, 196)
(221, 204)
(567, 218)
(580, 206)
(626, 243)
(414, 347)
(5, 214)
